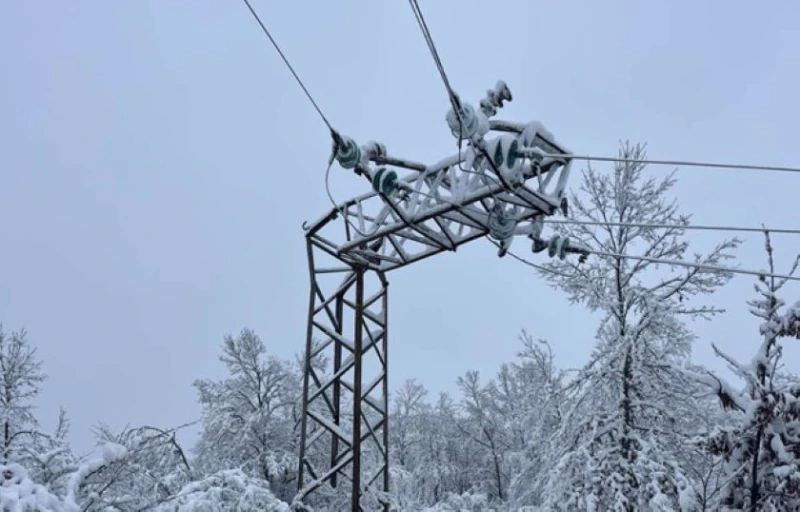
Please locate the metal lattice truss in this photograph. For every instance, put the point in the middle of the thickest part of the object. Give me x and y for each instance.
(503, 181)
(346, 386)
(439, 207)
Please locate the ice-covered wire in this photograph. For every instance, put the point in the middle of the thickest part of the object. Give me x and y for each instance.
(687, 227)
(678, 263)
(703, 266)
(529, 263)
(334, 134)
(454, 101)
(426, 33)
(686, 163)
(452, 96)
(288, 65)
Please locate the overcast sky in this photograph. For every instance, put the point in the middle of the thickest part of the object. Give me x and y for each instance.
(158, 161)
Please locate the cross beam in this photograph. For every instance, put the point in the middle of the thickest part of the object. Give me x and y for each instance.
(441, 206)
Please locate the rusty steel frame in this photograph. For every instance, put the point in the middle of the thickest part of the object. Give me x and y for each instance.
(345, 403)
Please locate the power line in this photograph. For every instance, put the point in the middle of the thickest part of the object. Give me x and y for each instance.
(678, 263)
(704, 266)
(529, 263)
(673, 226)
(288, 65)
(426, 33)
(528, 151)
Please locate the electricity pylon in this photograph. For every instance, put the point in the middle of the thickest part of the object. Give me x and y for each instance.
(505, 178)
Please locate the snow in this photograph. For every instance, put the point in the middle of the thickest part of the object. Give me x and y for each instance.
(113, 452)
(18, 493)
(226, 491)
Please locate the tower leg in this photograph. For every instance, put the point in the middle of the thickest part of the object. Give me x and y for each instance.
(344, 424)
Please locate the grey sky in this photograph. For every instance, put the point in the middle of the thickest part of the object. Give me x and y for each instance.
(158, 161)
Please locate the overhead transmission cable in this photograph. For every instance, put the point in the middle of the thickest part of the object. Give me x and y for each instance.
(687, 227)
(677, 263)
(334, 134)
(683, 163)
(456, 104)
(456, 107)
(426, 33)
(288, 65)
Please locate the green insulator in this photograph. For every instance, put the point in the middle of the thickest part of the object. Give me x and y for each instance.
(348, 154)
(513, 153)
(384, 181)
(506, 152)
(497, 158)
(552, 246)
(563, 249)
(558, 246)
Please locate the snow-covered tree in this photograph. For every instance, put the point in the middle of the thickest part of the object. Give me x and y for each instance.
(225, 491)
(486, 445)
(761, 452)
(19, 493)
(428, 454)
(21, 378)
(484, 428)
(136, 469)
(49, 457)
(613, 449)
(46, 457)
(249, 418)
(529, 393)
(701, 467)
(409, 415)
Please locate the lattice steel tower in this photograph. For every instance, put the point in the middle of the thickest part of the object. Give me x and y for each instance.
(504, 180)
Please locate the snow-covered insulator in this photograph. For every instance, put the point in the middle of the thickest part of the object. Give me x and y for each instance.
(348, 154)
(494, 98)
(384, 181)
(469, 124)
(558, 246)
(374, 149)
(501, 225)
(506, 157)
